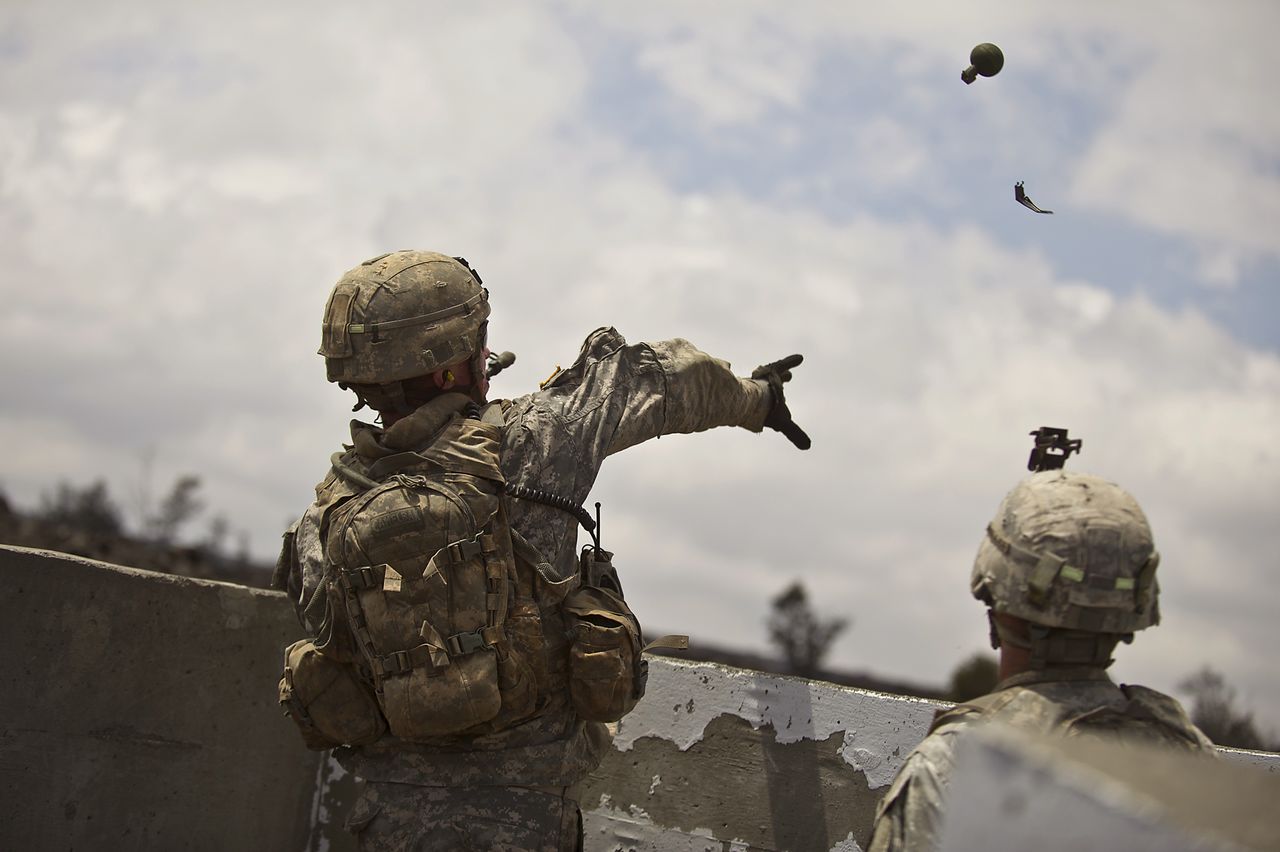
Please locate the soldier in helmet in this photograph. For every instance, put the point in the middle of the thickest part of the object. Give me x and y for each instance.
(1067, 571)
(406, 332)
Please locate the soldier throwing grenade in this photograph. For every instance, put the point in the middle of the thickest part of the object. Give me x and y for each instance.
(461, 657)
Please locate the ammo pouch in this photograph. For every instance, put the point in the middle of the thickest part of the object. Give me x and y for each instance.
(607, 672)
(431, 683)
(327, 699)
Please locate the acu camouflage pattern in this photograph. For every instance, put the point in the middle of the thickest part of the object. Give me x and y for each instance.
(401, 315)
(406, 818)
(614, 396)
(1067, 702)
(423, 575)
(1070, 550)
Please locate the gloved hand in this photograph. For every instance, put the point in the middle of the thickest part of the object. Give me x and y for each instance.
(776, 373)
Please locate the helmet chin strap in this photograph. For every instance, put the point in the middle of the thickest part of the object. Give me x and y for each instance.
(396, 395)
(994, 633)
(478, 365)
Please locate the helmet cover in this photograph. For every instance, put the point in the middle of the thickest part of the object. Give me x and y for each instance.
(1069, 550)
(401, 315)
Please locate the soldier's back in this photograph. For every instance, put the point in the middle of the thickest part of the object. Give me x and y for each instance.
(1086, 707)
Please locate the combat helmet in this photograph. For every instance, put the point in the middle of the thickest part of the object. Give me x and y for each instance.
(401, 315)
(1072, 554)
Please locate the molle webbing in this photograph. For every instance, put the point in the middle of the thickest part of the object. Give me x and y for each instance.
(436, 653)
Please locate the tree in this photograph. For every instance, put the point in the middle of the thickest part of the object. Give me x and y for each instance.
(180, 506)
(973, 677)
(1213, 710)
(90, 509)
(800, 635)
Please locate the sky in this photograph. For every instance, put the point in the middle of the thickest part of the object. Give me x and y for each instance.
(182, 184)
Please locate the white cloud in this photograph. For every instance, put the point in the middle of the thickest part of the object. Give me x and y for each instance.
(1188, 127)
(888, 153)
(176, 212)
(730, 74)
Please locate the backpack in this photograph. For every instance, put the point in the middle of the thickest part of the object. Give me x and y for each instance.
(457, 643)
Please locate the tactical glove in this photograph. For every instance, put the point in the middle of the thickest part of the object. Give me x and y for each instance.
(779, 418)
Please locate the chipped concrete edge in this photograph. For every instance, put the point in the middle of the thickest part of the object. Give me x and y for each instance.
(684, 697)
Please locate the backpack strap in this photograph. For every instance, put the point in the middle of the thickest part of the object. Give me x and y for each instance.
(979, 706)
(350, 474)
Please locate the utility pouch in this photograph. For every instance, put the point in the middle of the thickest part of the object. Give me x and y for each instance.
(426, 702)
(327, 700)
(606, 671)
(431, 682)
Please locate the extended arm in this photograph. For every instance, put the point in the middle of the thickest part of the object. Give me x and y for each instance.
(689, 391)
(614, 396)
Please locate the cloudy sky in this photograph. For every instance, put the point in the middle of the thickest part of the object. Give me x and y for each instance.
(181, 184)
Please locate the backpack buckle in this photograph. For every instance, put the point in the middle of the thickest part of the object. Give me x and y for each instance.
(465, 550)
(466, 643)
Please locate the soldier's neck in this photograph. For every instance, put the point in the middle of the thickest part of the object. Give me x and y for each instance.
(1013, 660)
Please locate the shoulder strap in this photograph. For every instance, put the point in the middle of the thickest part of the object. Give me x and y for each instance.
(979, 706)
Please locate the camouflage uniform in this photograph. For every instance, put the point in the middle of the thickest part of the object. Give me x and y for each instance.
(1075, 700)
(513, 789)
(1071, 557)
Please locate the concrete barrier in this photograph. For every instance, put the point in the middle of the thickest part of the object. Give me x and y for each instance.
(721, 758)
(139, 712)
(1012, 791)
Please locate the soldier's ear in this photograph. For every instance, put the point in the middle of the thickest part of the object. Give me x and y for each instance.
(444, 378)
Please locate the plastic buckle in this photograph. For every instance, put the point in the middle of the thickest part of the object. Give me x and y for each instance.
(465, 643)
(462, 551)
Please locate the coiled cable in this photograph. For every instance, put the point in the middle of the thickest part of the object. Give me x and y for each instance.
(537, 495)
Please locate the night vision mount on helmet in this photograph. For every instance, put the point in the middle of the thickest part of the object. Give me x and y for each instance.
(1071, 554)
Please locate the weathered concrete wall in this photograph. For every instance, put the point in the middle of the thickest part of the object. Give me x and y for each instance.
(1012, 792)
(725, 759)
(138, 712)
(715, 758)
